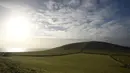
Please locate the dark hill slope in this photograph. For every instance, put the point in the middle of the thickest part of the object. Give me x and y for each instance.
(86, 47)
(102, 47)
(97, 47)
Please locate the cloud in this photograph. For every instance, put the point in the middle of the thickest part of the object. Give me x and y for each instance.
(77, 19)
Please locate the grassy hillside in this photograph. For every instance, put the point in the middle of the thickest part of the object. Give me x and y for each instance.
(9, 66)
(84, 47)
(66, 49)
(84, 57)
(105, 47)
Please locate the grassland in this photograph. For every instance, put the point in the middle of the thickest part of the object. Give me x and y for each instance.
(83, 47)
(123, 59)
(73, 63)
(76, 63)
(74, 58)
(9, 66)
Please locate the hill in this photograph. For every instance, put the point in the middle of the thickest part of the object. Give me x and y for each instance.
(83, 57)
(95, 46)
(83, 47)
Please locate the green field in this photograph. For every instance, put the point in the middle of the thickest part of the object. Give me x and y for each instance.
(74, 58)
(77, 63)
(123, 59)
(73, 63)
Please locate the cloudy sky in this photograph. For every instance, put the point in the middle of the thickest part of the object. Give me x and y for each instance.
(88, 20)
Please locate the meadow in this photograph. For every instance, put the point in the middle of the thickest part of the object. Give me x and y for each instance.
(76, 63)
(68, 59)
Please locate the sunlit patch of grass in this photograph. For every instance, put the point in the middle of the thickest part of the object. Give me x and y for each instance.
(76, 63)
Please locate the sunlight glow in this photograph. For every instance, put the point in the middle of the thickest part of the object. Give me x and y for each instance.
(17, 27)
(15, 50)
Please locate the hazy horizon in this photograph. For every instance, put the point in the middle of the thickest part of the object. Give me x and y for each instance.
(38, 44)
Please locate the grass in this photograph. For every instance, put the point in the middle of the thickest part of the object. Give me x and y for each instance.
(123, 59)
(73, 58)
(84, 47)
(56, 51)
(76, 63)
(9, 66)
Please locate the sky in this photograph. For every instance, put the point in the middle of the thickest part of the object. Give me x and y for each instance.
(85, 20)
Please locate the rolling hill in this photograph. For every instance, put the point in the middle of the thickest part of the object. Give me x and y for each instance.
(83, 57)
(83, 47)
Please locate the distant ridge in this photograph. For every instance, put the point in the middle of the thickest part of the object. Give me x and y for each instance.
(93, 47)
(96, 45)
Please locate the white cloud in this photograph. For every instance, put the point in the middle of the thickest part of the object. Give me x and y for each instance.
(88, 19)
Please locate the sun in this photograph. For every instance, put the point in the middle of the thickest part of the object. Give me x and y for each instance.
(17, 27)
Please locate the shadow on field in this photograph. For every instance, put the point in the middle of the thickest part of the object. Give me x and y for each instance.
(121, 62)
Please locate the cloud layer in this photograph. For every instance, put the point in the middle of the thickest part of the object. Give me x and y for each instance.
(103, 20)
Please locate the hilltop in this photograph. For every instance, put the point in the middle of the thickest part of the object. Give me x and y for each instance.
(83, 47)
